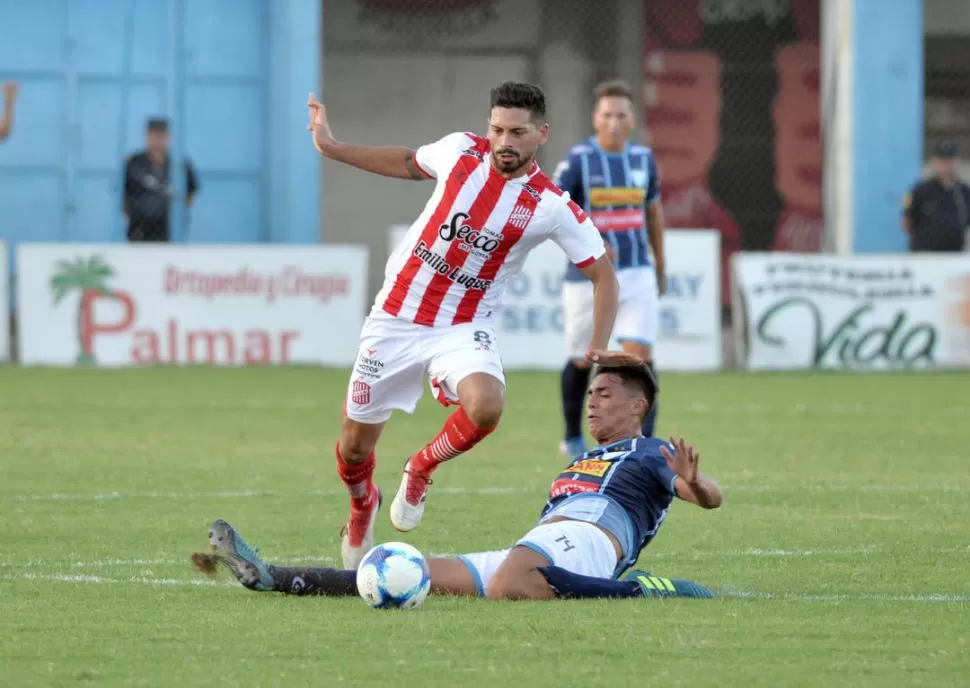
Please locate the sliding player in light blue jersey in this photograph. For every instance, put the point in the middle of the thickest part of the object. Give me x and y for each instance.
(616, 182)
(602, 511)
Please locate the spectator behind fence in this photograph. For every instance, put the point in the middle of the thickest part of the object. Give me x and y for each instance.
(147, 189)
(936, 212)
(10, 90)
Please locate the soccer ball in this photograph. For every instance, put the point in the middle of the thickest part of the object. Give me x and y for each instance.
(394, 575)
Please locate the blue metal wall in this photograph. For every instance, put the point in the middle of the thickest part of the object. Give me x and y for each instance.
(231, 76)
(888, 119)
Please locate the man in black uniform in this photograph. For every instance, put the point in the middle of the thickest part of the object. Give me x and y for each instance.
(936, 212)
(147, 189)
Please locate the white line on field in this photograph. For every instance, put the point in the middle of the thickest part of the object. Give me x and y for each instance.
(795, 409)
(178, 405)
(753, 552)
(337, 492)
(307, 404)
(101, 580)
(237, 494)
(808, 597)
(862, 487)
(110, 563)
(766, 553)
(744, 595)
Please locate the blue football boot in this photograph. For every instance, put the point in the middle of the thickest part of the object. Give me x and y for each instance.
(242, 560)
(658, 586)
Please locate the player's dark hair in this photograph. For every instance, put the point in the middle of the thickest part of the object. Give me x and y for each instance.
(515, 94)
(614, 88)
(636, 375)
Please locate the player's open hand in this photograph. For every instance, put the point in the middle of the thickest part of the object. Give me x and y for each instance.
(318, 125)
(683, 460)
(612, 358)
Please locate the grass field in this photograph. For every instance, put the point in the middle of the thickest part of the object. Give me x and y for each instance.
(843, 537)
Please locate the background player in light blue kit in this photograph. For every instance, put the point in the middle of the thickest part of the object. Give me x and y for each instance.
(616, 182)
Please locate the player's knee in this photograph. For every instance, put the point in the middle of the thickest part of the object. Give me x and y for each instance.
(498, 586)
(518, 588)
(504, 592)
(484, 413)
(355, 451)
(506, 589)
(518, 582)
(355, 444)
(482, 397)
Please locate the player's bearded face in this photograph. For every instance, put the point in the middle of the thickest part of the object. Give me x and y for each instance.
(515, 137)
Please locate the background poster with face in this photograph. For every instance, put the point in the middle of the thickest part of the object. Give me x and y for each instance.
(733, 116)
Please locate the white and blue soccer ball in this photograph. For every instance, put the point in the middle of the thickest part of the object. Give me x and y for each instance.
(394, 575)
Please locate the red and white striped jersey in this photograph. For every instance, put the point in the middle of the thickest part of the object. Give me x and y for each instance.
(474, 234)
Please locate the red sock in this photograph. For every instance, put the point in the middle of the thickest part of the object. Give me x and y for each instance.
(357, 478)
(458, 435)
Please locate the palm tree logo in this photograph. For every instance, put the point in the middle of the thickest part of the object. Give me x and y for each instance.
(89, 277)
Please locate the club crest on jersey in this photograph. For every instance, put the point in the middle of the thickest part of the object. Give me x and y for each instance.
(638, 177)
(521, 216)
(470, 240)
(360, 393)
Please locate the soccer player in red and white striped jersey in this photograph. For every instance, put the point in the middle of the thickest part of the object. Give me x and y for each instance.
(444, 288)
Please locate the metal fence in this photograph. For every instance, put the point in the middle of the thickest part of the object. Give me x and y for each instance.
(730, 97)
(947, 121)
(947, 84)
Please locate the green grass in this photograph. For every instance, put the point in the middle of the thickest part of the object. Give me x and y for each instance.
(846, 497)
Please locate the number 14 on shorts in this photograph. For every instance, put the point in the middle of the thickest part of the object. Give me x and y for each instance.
(564, 543)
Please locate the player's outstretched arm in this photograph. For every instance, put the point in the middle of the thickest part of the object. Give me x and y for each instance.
(703, 492)
(606, 300)
(691, 485)
(389, 161)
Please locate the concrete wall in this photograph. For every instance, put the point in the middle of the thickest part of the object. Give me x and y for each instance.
(942, 17)
(947, 43)
(232, 77)
(392, 78)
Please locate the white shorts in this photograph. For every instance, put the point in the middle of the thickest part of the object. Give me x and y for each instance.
(576, 546)
(395, 356)
(637, 318)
